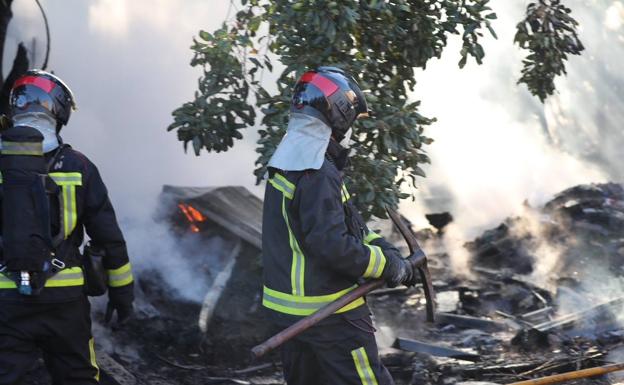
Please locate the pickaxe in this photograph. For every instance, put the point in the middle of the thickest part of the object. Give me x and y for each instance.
(419, 260)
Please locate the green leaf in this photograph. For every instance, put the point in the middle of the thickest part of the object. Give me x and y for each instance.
(197, 145)
(205, 35)
(462, 61)
(255, 61)
(254, 23)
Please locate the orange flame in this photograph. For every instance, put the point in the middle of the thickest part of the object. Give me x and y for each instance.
(197, 216)
(185, 210)
(192, 215)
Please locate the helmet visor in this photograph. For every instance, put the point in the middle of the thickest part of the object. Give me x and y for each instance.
(30, 98)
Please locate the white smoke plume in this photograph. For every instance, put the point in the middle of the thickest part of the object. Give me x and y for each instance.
(127, 63)
(496, 146)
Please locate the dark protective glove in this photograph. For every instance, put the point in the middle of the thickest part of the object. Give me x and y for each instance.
(400, 271)
(120, 300)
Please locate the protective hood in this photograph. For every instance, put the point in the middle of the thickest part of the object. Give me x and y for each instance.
(44, 124)
(304, 145)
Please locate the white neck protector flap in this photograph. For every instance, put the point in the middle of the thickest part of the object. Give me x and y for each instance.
(304, 145)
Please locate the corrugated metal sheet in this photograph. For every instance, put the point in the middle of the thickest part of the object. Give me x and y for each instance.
(231, 207)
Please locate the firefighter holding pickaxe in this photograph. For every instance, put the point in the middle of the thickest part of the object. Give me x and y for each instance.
(319, 256)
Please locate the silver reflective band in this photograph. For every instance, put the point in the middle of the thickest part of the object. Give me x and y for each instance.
(281, 183)
(27, 148)
(66, 277)
(363, 367)
(376, 271)
(121, 277)
(74, 179)
(293, 304)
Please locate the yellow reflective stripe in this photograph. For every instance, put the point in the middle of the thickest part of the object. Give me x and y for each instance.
(73, 212)
(371, 237)
(282, 184)
(70, 209)
(304, 305)
(345, 193)
(67, 277)
(68, 181)
(122, 282)
(63, 178)
(120, 270)
(66, 214)
(376, 262)
(22, 148)
(64, 278)
(362, 365)
(121, 276)
(30, 153)
(6, 282)
(93, 360)
(67, 178)
(297, 268)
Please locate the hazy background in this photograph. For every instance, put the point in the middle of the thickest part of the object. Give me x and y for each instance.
(495, 145)
(128, 65)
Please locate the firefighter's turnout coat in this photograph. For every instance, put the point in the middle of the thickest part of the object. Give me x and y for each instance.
(86, 206)
(316, 247)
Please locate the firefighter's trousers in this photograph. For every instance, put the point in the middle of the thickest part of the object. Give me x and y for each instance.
(62, 331)
(341, 353)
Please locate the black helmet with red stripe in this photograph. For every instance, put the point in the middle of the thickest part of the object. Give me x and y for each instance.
(331, 95)
(40, 91)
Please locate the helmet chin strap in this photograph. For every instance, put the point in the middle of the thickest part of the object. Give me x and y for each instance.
(44, 124)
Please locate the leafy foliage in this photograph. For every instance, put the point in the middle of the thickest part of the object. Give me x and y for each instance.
(381, 42)
(549, 33)
(220, 109)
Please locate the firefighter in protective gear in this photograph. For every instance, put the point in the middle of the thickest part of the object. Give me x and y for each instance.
(316, 246)
(57, 321)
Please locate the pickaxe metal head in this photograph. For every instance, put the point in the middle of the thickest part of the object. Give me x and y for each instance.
(419, 261)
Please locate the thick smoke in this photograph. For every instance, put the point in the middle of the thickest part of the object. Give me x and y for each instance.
(586, 117)
(128, 65)
(497, 148)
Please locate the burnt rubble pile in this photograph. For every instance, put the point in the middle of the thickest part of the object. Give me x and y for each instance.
(584, 225)
(542, 296)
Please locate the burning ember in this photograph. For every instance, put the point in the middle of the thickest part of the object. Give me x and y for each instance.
(192, 215)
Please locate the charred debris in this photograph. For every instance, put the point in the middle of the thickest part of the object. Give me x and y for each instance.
(543, 294)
